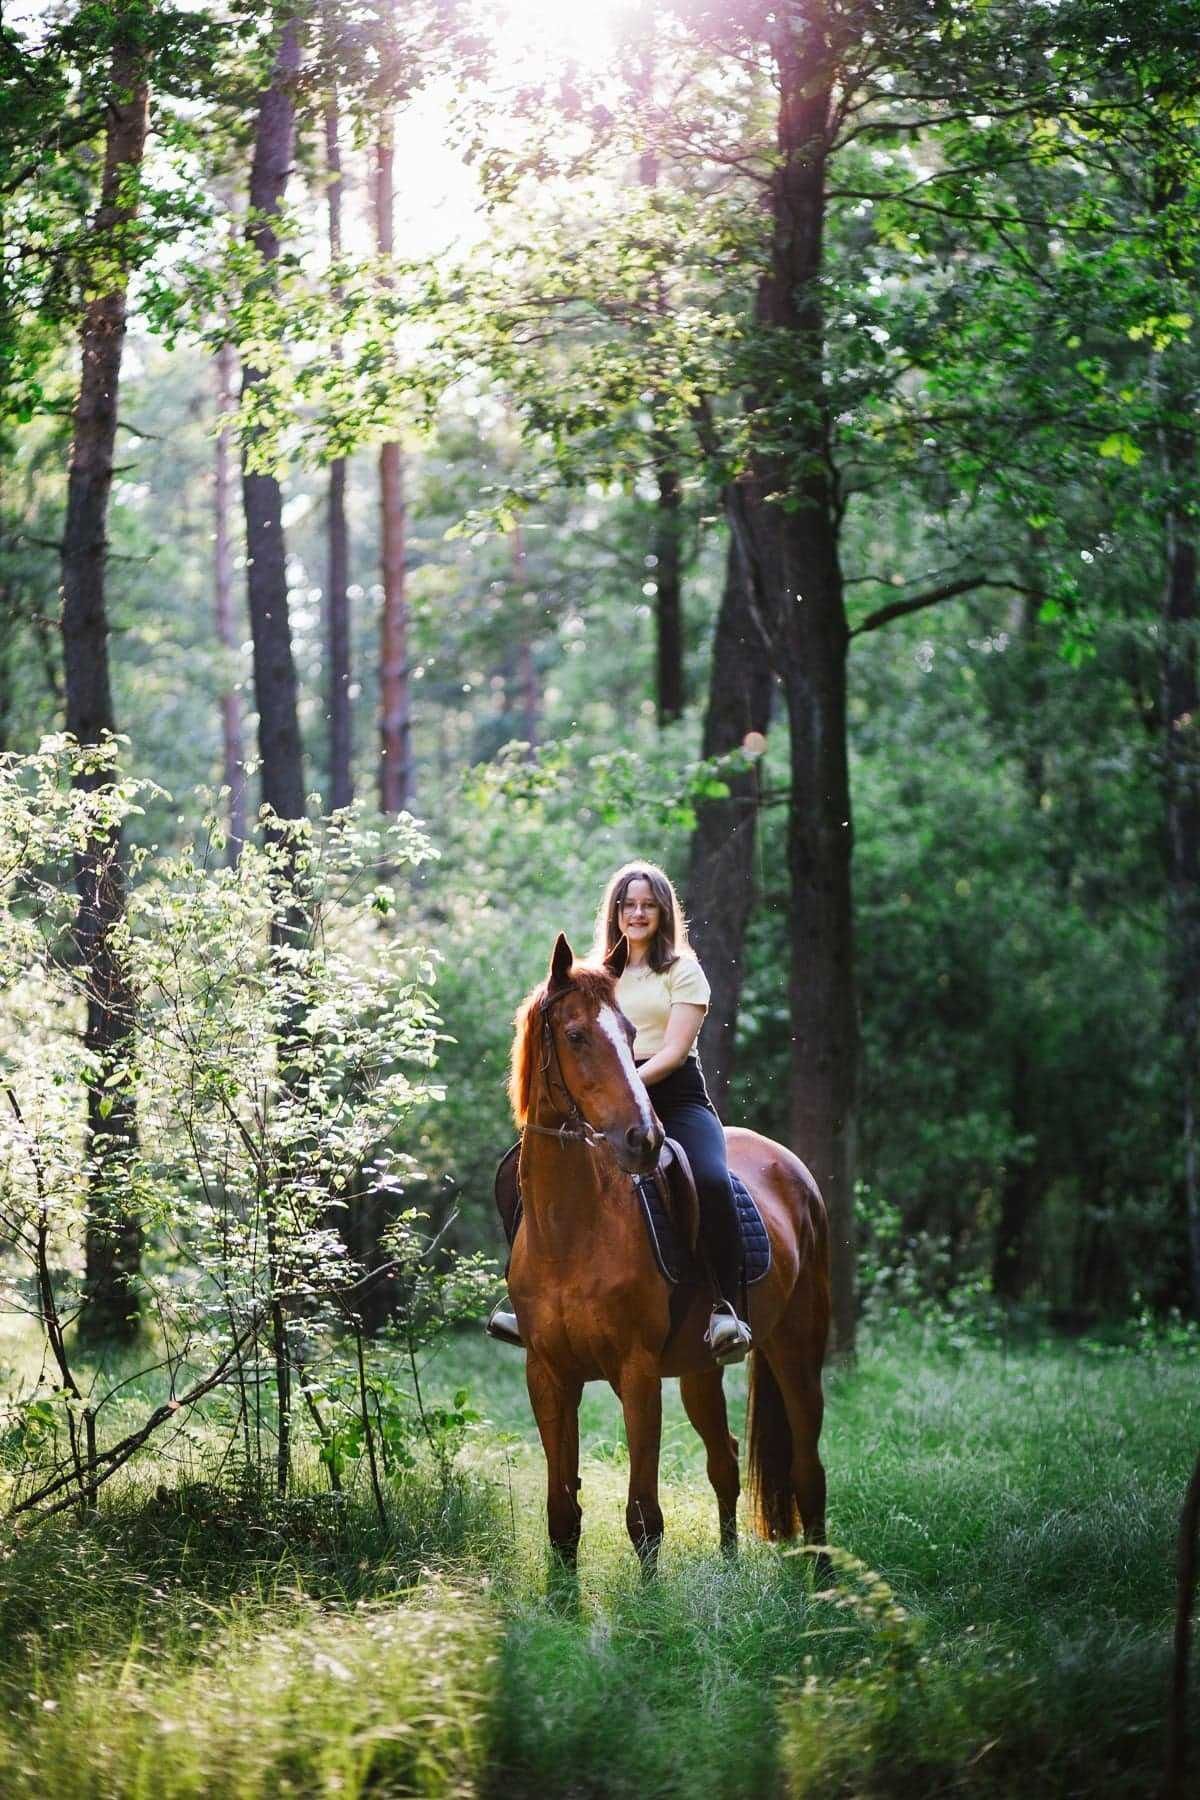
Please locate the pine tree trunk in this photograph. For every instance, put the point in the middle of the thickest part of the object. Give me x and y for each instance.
(1181, 768)
(395, 710)
(668, 578)
(279, 746)
(395, 718)
(337, 597)
(233, 774)
(795, 584)
(1021, 1192)
(527, 681)
(1024, 1182)
(8, 635)
(1175, 1775)
(666, 537)
(113, 1236)
(720, 885)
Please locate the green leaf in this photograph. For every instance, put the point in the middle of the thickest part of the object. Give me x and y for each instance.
(1120, 444)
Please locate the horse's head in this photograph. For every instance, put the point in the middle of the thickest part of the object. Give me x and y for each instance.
(573, 1038)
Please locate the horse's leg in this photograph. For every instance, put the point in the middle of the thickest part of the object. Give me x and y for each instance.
(640, 1389)
(703, 1398)
(555, 1403)
(795, 1351)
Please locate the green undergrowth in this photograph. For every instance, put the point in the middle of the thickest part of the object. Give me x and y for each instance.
(997, 1622)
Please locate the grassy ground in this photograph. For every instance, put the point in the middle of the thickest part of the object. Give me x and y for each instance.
(1004, 1632)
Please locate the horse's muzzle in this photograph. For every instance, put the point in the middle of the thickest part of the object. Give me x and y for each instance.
(637, 1150)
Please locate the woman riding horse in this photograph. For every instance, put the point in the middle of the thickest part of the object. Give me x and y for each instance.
(593, 1301)
(664, 993)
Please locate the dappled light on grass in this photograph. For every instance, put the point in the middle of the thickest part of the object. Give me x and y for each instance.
(997, 1622)
(383, 1696)
(257, 1648)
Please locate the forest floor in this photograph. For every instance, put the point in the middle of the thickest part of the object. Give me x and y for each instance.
(1006, 1631)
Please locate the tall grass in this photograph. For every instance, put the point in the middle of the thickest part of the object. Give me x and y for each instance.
(999, 1625)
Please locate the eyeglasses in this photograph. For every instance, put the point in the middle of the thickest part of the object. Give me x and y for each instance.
(639, 906)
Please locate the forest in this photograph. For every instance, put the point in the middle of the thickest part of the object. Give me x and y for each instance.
(448, 450)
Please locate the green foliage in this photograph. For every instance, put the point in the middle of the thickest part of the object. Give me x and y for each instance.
(285, 1029)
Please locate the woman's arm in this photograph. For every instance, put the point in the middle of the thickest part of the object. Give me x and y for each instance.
(683, 1028)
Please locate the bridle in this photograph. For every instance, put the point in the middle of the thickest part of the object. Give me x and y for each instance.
(574, 1129)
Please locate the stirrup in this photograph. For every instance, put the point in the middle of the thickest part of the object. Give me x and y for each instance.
(502, 1325)
(728, 1337)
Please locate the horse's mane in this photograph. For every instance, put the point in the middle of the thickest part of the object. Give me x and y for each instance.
(595, 984)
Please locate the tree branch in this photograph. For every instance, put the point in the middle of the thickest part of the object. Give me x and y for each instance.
(120, 1454)
(950, 590)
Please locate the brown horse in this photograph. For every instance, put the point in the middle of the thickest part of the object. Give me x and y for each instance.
(593, 1306)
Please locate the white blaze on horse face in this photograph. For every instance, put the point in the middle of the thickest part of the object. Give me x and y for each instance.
(610, 1025)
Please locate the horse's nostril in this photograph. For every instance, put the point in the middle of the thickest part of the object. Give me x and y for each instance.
(640, 1143)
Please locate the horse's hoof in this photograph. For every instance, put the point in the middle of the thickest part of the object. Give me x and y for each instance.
(824, 1573)
(562, 1581)
(647, 1555)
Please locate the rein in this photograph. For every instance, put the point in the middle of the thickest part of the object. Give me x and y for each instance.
(574, 1129)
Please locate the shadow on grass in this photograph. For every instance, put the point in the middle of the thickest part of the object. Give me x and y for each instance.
(651, 1688)
(742, 1681)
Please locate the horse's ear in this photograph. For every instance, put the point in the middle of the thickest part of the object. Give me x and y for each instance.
(560, 965)
(617, 957)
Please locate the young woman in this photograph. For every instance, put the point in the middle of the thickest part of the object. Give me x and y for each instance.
(664, 993)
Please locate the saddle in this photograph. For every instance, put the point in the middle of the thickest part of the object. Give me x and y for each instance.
(671, 1211)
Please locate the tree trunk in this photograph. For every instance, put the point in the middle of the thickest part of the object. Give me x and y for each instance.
(395, 711)
(668, 578)
(527, 682)
(792, 557)
(279, 746)
(666, 537)
(337, 597)
(1021, 1192)
(720, 886)
(395, 717)
(113, 1237)
(1175, 1775)
(337, 643)
(8, 634)
(1181, 769)
(233, 774)
(1024, 1182)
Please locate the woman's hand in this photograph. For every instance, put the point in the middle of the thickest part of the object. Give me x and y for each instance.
(683, 1028)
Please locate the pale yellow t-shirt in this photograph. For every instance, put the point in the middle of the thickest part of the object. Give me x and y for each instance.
(646, 1000)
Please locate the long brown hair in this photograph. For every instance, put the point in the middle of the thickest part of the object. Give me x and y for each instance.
(669, 942)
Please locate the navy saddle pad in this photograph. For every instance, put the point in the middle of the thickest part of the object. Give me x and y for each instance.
(674, 1259)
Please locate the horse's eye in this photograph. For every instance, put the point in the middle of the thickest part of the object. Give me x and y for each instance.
(576, 1037)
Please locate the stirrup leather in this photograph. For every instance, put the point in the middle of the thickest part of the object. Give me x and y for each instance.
(728, 1337)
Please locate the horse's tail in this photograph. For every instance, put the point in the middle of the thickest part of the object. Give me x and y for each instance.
(772, 1492)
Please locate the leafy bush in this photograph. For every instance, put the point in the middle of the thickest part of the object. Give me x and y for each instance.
(285, 1030)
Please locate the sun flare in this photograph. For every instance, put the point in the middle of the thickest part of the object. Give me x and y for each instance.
(532, 32)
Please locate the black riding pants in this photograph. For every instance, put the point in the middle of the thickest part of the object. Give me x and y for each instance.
(681, 1101)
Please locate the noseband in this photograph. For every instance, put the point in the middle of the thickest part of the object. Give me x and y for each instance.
(574, 1128)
